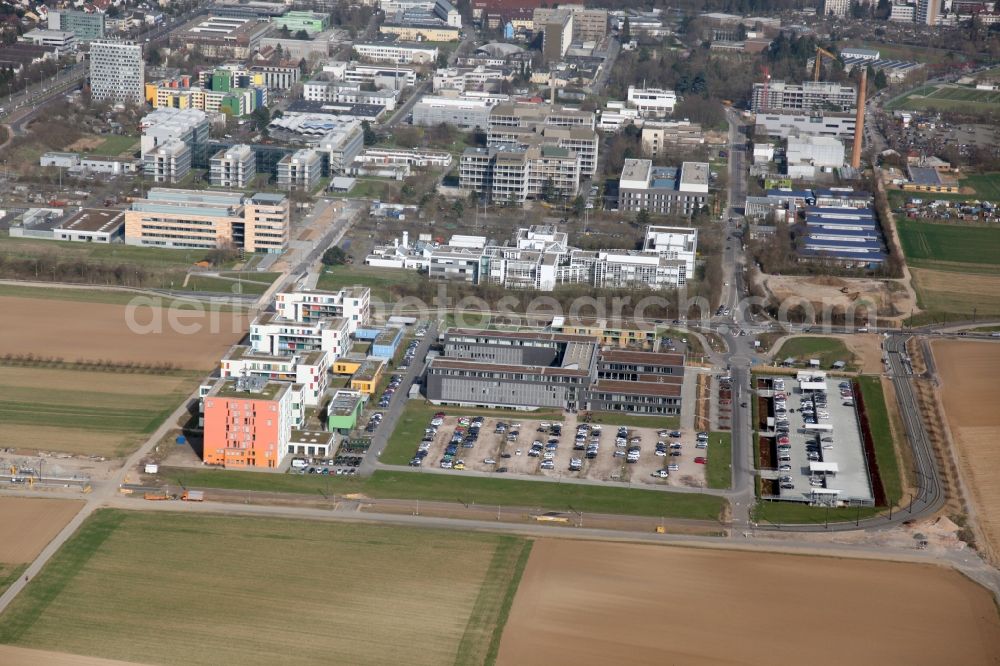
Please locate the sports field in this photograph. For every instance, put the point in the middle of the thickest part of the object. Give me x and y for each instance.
(946, 97)
(85, 411)
(587, 603)
(167, 588)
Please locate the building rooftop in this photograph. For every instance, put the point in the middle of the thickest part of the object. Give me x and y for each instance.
(638, 388)
(99, 220)
(925, 176)
(647, 358)
(369, 370)
(549, 371)
(344, 403)
(251, 388)
(519, 335)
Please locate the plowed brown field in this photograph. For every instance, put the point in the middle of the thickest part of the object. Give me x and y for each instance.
(596, 603)
(28, 524)
(968, 371)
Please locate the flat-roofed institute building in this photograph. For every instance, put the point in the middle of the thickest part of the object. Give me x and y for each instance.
(663, 190)
(92, 225)
(352, 304)
(309, 370)
(533, 369)
(207, 220)
(344, 411)
(248, 423)
(366, 378)
(272, 334)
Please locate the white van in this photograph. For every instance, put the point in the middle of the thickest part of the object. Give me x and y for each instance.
(299, 463)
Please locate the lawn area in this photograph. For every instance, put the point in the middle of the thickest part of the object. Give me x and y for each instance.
(117, 253)
(372, 188)
(252, 276)
(827, 350)
(948, 98)
(954, 295)
(418, 414)
(965, 246)
(288, 599)
(987, 185)
(9, 573)
(455, 488)
(116, 145)
(885, 449)
(378, 279)
(792, 512)
(215, 284)
(719, 472)
(85, 412)
(635, 420)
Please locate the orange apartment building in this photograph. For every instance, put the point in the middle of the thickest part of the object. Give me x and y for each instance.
(248, 423)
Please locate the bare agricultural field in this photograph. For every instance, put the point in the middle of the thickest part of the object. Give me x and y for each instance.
(306, 592)
(968, 372)
(596, 603)
(100, 331)
(28, 524)
(16, 656)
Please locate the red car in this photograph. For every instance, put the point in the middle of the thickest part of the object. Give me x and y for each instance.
(439, 415)
(783, 440)
(701, 461)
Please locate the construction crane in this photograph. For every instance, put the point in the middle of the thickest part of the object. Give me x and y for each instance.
(818, 67)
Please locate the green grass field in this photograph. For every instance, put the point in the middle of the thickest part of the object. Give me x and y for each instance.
(82, 411)
(220, 285)
(794, 513)
(167, 588)
(827, 350)
(987, 185)
(116, 145)
(378, 279)
(948, 98)
(929, 242)
(885, 450)
(719, 471)
(454, 488)
(9, 573)
(417, 415)
(149, 257)
(635, 420)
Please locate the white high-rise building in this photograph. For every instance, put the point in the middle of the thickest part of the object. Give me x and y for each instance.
(116, 71)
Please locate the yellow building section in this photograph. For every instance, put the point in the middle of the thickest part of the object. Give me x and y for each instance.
(367, 377)
(613, 336)
(411, 33)
(346, 366)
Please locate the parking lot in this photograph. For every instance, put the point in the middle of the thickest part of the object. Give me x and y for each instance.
(813, 427)
(561, 449)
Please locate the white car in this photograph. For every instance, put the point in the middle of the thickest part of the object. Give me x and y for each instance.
(489, 461)
(673, 467)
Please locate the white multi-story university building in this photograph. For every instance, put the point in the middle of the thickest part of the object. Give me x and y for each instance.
(233, 167)
(300, 170)
(117, 71)
(273, 334)
(397, 53)
(352, 304)
(776, 96)
(663, 190)
(652, 102)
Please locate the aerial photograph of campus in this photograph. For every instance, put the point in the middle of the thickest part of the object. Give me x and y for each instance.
(518, 332)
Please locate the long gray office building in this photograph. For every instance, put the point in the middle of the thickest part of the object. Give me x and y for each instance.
(535, 369)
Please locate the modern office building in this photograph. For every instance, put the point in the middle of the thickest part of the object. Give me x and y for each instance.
(513, 125)
(294, 21)
(62, 41)
(589, 25)
(663, 190)
(660, 137)
(805, 154)
(839, 8)
(342, 144)
(248, 423)
(777, 96)
(513, 174)
(168, 162)
(396, 52)
(276, 335)
(557, 35)
(352, 304)
(207, 220)
(277, 76)
(467, 78)
(339, 92)
(419, 29)
(92, 225)
(534, 369)
(396, 77)
(301, 170)
(652, 102)
(221, 37)
(431, 111)
(928, 12)
(816, 123)
(85, 26)
(117, 71)
(309, 370)
(164, 125)
(235, 166)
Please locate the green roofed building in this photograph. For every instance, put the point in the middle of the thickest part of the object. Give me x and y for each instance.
(344, 410)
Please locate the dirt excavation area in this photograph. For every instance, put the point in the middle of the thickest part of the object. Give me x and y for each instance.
(601, 603)
(28, 524)
(890, 298)
(968, 372)
(76, 330)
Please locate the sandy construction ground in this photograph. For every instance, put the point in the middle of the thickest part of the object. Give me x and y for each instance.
(18, 656)
(96, 331)
(968, 372)
(28, 524)
(826, 290)
(601, 603)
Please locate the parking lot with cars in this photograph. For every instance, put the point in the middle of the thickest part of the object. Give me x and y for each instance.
(513, 445)
(814, 433)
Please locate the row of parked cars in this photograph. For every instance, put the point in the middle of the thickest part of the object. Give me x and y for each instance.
(373, 422)
(411, 349)
(389, 391)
